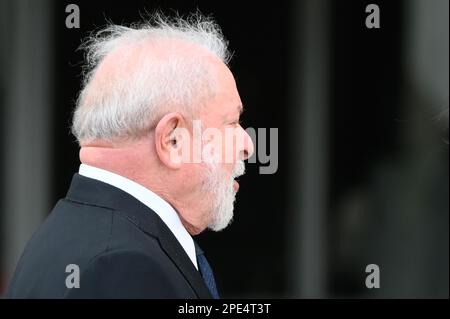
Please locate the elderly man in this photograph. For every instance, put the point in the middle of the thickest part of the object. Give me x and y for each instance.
(125, 228)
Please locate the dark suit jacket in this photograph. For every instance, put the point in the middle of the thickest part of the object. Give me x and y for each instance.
(122, 248)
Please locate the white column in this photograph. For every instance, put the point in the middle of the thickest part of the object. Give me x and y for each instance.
(26, 78)
(309, 136)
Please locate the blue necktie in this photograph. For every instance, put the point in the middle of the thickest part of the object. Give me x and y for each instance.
(206, 272)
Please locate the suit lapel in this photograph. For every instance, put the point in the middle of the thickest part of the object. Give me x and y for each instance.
(151, 223)
(176, 253)
(96, 192)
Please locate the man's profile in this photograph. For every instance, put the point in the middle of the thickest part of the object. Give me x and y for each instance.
(127, 223)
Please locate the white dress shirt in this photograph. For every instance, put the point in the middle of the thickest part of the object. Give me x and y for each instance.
(164, 210)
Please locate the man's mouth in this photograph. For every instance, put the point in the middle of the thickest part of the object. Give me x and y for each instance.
(235, 186)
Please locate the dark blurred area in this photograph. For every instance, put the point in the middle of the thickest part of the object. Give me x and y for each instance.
(362, 118)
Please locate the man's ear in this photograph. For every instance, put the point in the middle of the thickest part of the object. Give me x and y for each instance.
(170, 139)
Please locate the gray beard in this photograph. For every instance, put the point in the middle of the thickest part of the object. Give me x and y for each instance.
(224, 196)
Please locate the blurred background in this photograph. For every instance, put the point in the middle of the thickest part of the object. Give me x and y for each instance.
(362, 118)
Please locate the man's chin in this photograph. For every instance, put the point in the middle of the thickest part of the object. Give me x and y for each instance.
(224, 209)
(221, 225)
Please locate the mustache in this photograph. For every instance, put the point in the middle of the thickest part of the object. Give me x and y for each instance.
(239, 169)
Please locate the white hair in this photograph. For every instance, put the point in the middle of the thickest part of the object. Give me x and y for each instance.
(131, 100)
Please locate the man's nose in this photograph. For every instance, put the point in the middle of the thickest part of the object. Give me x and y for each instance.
(249, 148)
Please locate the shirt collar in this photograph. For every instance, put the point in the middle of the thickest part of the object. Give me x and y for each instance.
(162, 208)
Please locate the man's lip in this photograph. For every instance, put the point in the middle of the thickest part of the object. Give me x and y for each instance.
(236, 186)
